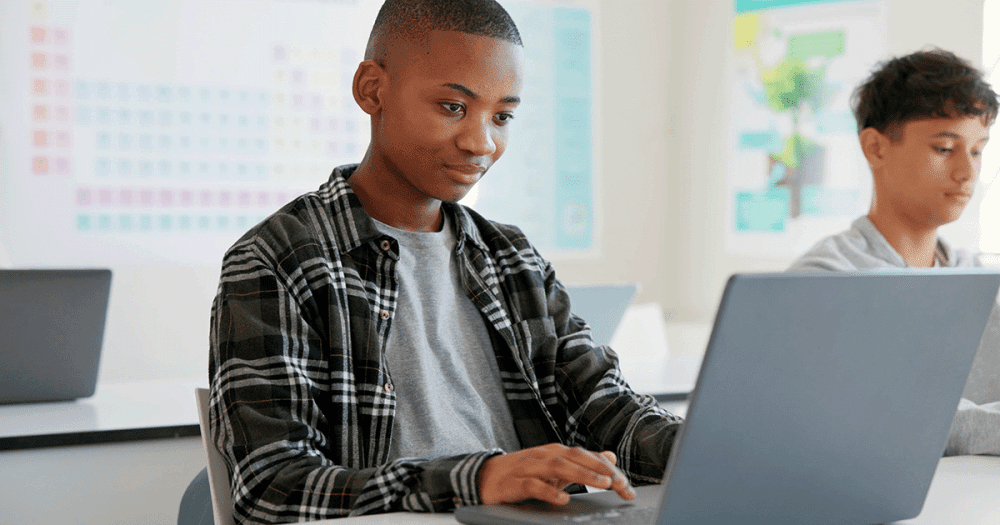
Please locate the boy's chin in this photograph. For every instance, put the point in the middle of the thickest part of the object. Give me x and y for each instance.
(468, 197)
(949, 216)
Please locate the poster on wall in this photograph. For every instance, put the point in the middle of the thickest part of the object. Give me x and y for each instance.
(158, 133)
(796, 172)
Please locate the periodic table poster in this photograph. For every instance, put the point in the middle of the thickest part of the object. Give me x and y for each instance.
(158, 132)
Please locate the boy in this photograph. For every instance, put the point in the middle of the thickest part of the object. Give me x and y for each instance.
(376, 347)
(923, 121)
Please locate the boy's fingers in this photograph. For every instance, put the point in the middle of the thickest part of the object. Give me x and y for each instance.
(596, 470)
(529, 474)
(538, 489)
(604, 464)
(566, 470)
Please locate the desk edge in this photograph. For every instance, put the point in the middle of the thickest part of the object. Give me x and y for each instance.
(96, 437)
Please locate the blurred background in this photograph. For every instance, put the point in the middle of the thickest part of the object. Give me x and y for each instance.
(146, 137)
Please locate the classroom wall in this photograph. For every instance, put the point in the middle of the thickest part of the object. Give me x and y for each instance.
(661, 176)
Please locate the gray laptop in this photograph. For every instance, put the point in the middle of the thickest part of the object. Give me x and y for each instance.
(51, 329)
(602, 306)
(822, 398)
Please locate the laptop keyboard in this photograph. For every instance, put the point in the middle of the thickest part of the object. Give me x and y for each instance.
(629, 515)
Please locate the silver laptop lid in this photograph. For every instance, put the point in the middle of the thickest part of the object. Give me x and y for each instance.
(822, 398)
(826, 397)
(51, 330)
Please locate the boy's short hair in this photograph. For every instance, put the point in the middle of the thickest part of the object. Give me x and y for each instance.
(415, 19)
(926, 84)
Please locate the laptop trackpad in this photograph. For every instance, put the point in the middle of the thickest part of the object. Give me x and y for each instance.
(534, 511)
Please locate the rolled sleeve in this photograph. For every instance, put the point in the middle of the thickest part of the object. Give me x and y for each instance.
(975, 430)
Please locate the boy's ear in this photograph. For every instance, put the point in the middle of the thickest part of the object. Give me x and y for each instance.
(874, 145)
(369, 80)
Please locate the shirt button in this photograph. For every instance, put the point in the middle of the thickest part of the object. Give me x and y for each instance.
(384, 315)
(388, 387)
(385, 245)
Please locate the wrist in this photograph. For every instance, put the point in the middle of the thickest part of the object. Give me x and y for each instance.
(482, 469)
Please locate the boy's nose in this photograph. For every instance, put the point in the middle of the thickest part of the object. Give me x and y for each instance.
(477, 138)
(965, 167)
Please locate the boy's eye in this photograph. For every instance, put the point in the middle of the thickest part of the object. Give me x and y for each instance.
(452, 107)
(942, 150)
(504, 118)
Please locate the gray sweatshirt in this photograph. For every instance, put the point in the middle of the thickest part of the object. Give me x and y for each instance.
(976, 428)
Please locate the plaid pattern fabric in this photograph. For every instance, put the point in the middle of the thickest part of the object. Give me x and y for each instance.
(302, 401)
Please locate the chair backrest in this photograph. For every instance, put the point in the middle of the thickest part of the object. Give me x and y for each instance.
(218, 476)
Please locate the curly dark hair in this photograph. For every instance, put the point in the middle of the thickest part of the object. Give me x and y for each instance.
(926, 84)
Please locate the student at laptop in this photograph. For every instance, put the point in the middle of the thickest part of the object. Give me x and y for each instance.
(923, 121)
(377, 347)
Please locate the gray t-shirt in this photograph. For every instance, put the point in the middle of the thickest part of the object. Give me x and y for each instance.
(449, 397)
(976, 428)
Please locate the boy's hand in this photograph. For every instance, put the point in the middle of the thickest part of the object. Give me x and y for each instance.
(542, 472)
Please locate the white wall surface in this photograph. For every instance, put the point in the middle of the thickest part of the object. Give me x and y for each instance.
(157, 325)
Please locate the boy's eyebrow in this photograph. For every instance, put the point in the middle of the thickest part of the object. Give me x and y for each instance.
(950, 135)
(472, 94)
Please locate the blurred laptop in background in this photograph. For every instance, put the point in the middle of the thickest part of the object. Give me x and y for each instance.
(51, 332)
(602, 306)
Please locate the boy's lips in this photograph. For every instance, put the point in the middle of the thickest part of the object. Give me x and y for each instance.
(465, 172)
(958, 194)
(466, 168)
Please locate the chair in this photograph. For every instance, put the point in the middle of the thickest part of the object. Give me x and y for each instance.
(218, 476)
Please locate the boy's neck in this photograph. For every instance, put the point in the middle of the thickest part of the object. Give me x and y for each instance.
(398, 211)
(915, 245)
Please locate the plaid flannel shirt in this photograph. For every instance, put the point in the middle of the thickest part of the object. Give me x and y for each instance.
(302, 402)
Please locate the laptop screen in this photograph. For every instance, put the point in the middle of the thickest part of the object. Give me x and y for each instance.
(602, 306)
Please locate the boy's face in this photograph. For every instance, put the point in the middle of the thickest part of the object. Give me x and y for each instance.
(930, 173)
(446, 111)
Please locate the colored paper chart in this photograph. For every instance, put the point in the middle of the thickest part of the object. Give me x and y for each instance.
(796, 173)
(159, 133)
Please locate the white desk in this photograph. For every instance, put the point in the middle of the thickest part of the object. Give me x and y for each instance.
(663, 362)
(965, 490)
(124, 455)
(116, 412)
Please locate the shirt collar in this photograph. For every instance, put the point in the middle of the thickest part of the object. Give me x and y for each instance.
(465, 227)
(356, 227)
(886, 252)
